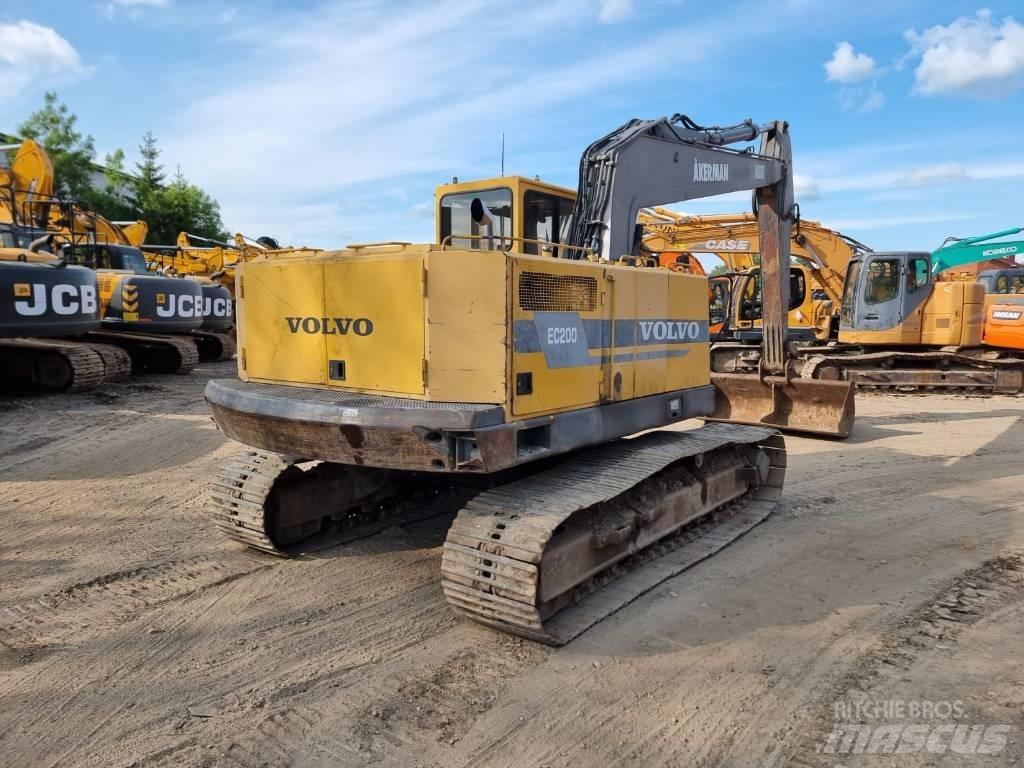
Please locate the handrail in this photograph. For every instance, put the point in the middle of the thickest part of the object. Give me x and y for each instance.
(381, 244)
(589, 252)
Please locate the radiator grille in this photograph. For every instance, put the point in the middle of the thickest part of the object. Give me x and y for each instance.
(543, 292)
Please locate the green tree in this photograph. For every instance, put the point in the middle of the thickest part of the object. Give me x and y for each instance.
(71, 153)
(167, 208)
(182, 206)
(149, 174)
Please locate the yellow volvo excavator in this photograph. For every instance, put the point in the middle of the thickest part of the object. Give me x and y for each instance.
(515, 356)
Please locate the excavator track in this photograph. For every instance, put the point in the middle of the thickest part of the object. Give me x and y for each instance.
(214, 346)
(239, 496)
(117, 364)
(948, 371)
(151, 353)
(266, 501)
(607, 525)
(49, 366)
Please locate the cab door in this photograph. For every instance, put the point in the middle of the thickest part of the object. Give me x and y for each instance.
(879, 300)
(888, 295)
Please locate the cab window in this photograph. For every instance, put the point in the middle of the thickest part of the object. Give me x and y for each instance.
(917, 274)
(491, 232)
(849, 291)
(547, 217)
(797, 289)
(883, 280)
(719, 295)
(1002, 284)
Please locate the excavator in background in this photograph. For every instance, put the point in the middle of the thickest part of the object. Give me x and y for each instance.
(91, 237)
(901, 328)
(816, 278)
(47, 306)
(43, 298)
(215, 260)
(149, 318)
(509, 362)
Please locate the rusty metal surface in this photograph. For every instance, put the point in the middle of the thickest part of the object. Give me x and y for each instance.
(322, 427)
(773, 216)
(924, 370)
(824, 408)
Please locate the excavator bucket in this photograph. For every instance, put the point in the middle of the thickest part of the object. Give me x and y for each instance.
(799, 405)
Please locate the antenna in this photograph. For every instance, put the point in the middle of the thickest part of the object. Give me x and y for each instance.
(502, 153)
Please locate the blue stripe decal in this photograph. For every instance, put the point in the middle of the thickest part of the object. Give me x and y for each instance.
(567, 340)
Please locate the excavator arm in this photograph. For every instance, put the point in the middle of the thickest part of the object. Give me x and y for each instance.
(974, 249)
(655, 162)
(735, 238)
(648, 163)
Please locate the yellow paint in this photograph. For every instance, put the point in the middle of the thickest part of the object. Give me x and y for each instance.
(952, 315)
(518, 185)
(465, 325)
(385, 289)
(275, 291)
(466, 333)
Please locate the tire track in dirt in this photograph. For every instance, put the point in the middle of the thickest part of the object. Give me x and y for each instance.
(992, 592)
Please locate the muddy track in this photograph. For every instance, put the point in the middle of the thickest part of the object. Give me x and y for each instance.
(132, 634)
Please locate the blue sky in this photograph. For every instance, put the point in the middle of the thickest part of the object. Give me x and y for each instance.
(323, 123)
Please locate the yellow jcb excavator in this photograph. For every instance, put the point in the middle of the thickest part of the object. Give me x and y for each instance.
(44, 300)
(165, 316)
(511, 359)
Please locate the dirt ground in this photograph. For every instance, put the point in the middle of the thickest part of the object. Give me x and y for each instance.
(132, 634)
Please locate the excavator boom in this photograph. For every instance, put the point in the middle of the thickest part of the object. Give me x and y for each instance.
(655, 162)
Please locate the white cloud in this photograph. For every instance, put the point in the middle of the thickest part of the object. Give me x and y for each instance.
(861, 98)
(424, 111)
(612, 11)
(875, 100)
(806, 187)
(30, 53)
(847, 66)
(971, 56)
(936, 174)
(134, 8)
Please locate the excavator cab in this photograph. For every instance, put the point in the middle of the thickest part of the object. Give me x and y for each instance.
(497, 214)
(747, 320)
(1004, 281)
(891, 298)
